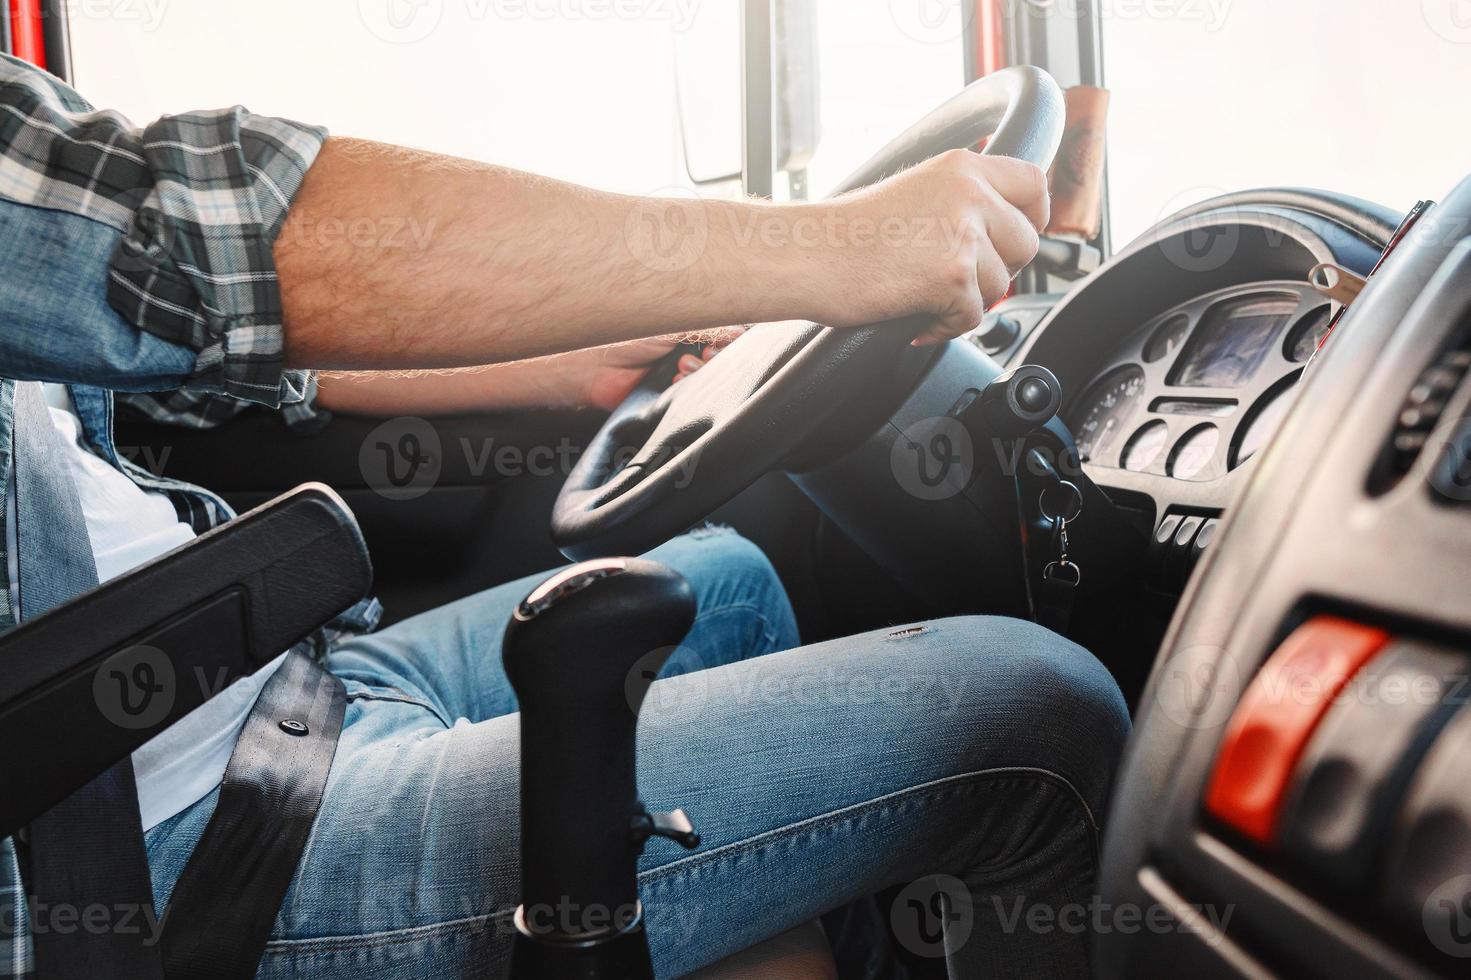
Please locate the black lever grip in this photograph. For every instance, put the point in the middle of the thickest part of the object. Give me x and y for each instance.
(1020, 401)
(580, 651)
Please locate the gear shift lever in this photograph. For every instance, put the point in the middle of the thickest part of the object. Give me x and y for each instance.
(571, 651)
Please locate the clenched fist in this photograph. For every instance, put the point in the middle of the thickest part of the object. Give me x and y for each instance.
(948, 237)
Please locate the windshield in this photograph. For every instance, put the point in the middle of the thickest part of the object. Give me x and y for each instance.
(584, 90)
(883, 64)
(1209, 96)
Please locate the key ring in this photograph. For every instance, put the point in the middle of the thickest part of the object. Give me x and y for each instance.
(1064, 572)
(1066, 514)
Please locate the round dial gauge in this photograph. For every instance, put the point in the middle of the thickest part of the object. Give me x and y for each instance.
(1307, 335)
(1102, 416)
(1145, 446)
(1167, 337)
(1266, 418)
(1193, 455)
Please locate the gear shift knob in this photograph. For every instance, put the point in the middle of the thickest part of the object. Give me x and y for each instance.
(580, 651)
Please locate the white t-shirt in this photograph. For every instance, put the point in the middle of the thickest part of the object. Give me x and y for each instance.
(127, 526)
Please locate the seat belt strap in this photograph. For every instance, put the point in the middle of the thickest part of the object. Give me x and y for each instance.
(220, 916)
(86, 854)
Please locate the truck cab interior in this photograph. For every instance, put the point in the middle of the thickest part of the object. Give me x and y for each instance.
(1220, 436)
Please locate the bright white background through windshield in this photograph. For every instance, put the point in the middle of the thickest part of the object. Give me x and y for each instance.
(1209, 95)
(583, 90)
(1361, 96)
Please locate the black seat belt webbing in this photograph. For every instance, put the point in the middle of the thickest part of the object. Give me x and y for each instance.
(226, 901)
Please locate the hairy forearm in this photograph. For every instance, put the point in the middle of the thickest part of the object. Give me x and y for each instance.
(518, 385)
(392, 258)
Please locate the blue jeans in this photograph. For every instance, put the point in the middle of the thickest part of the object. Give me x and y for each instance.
(966, 759)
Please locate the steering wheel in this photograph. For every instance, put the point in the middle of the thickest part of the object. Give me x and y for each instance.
(767, 400)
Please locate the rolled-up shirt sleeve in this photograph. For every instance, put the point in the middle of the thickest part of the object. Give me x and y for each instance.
(195, 203)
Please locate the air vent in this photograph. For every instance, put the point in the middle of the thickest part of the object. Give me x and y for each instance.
(1421, 413)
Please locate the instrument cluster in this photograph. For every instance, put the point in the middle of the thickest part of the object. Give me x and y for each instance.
(1198, 390)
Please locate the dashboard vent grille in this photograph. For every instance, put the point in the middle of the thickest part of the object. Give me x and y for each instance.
(1420, 413)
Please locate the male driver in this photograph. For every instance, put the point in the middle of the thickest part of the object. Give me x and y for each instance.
(179, 258)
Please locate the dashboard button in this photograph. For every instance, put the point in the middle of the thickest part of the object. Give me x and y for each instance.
(1179, 560)
(1277, 715)
(1427, 883)
(1165, 533)
(1160, 548)
(1203, 540)
(1185, 535)
(1357, 765)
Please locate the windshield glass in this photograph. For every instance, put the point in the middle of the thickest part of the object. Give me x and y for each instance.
(1209, 96)
(883, 64)
(584, 90)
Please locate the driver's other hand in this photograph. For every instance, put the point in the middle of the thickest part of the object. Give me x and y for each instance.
(952, 233)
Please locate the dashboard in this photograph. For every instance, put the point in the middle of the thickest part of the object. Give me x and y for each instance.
(1181, 356)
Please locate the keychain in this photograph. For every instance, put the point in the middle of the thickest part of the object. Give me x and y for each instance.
(1063, 569)
(1062, 575)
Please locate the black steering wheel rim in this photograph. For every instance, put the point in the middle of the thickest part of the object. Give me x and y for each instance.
(770, 394)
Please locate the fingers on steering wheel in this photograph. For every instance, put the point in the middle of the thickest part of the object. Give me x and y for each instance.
(688, 365)
(964, 317)
(993, 276)
(1023, 185)
(993, 279)
(1014, 239)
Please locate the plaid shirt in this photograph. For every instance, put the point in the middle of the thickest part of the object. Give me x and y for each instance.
(196, 202)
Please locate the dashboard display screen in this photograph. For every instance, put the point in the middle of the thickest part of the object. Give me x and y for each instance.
(1231, 341)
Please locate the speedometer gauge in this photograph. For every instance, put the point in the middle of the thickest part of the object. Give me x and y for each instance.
(1102, 415)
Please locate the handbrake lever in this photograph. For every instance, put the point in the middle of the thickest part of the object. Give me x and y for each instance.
(571, 651)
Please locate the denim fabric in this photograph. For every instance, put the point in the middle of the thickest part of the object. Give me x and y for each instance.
(58, 326)
(976, 748)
